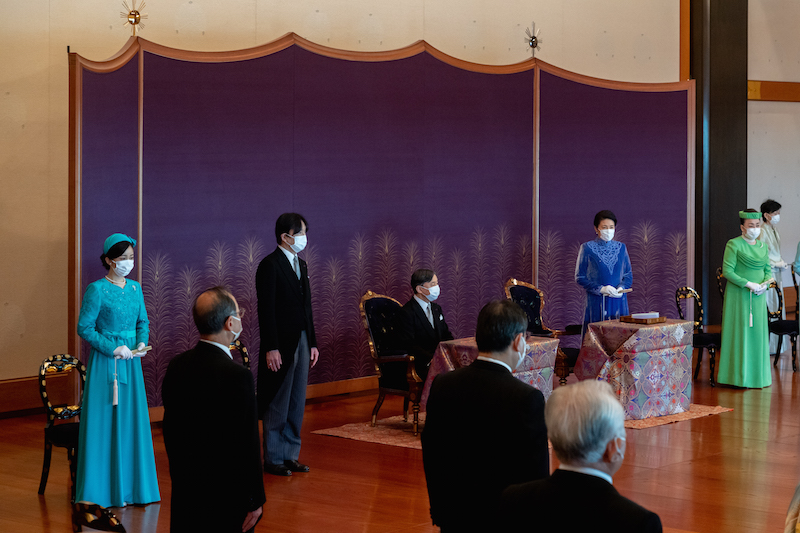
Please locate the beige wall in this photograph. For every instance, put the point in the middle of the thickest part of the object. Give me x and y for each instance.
(773, 141)
(629, 40)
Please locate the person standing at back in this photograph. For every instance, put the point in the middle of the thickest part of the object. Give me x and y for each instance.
(288, 345)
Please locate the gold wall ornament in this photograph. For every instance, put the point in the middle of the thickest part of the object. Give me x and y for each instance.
(133, 15)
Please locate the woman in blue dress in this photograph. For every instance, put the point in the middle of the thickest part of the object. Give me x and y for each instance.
(604, 270)
(116, 463)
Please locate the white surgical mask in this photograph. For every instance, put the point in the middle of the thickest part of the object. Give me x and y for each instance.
(607, 234)
(300, 242)
(123, 268)
(752, 233)
(236, 333)
(775, 219)
(434, 293)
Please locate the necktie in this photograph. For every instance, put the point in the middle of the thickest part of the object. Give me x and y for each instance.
(428, 312)
(296, 267)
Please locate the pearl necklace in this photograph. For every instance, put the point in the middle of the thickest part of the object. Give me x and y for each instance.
(118, 283)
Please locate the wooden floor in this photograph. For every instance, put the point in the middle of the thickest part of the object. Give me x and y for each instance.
(735, 472)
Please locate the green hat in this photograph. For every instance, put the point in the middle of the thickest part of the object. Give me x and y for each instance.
(745, 214)
(114, 239)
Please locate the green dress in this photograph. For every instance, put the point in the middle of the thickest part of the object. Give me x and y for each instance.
(744, 354)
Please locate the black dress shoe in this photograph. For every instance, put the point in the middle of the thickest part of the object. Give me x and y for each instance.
(277, 470)
(294, 466)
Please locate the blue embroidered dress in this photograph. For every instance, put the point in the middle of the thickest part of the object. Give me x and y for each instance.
(603, 263)
(116, 463)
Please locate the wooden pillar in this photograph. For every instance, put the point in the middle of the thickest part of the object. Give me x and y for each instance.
(719, 66)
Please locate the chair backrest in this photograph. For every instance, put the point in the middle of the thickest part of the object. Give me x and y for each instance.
(379, 313)
(242, 349)
(531, 300)
(684, 293)
(721, 281)
(50, 367)
(776, 315)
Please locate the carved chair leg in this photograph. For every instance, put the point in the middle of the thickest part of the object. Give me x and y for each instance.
(794, 353)
(699, 360)
(712, 358)
(778, 351)
(381, 397)
(415, 410)
(561, 368)
(48, 452)
(72, 456)
(405, 409)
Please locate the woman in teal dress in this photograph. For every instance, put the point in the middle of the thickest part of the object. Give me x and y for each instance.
(744, 354)
(116, 463)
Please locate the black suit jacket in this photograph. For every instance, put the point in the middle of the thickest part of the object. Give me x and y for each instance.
(484, 431)
(571, 501)
(416, 335)
(211, 435)
(284, 311)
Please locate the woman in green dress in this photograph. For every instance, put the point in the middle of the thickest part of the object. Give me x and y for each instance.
(744, 354)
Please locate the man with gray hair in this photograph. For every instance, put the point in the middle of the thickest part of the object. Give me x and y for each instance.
(586, 425)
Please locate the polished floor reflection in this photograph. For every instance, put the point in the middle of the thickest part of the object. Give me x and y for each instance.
(734, 472)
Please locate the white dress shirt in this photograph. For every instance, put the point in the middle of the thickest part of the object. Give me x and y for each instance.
(222, 347)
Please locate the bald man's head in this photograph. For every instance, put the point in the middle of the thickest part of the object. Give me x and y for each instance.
(212, 308)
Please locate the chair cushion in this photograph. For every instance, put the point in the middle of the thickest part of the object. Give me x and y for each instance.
(63, 435)
(393, 375)
(783, 327)
(706, 339)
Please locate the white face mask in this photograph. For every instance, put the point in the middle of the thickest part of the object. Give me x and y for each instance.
(752, 233)
(300, 242)
(434, 293)
(607, 234)
(123, 268)
(775, 219)
(236, 333)
(522, 355)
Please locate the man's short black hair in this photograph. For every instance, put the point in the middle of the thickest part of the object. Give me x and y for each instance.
(212, 319)
(289, 223)
(420, 276)
(499, 322)
(602, 215)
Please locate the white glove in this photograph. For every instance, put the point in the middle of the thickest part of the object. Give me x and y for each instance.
(753, 286)
(123, 352)
(782, 264)
(608, 290)
(141, 346)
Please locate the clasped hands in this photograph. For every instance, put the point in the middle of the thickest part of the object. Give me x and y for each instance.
(757, 289)
(608, 290)
(123, 352)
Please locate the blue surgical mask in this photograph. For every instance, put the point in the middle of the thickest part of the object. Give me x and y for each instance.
(123, 268)
(300, 242)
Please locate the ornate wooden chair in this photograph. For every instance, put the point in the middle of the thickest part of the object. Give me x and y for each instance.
(700, 340)
(721, 281)
(781, 326)
(395, 368)
(64, 435)
(242, 349)
(531, 300)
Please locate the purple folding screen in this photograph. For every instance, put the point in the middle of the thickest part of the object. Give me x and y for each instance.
(397, 164)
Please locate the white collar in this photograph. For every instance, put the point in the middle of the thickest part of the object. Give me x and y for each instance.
(222, 347)
(290, 255)
(586, 470)
(496, 361)
(424, 304)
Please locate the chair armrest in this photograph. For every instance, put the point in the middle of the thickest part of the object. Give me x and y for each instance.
(394, 358)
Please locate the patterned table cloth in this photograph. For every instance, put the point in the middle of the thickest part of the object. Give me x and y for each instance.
(536, 369)
(649, 366)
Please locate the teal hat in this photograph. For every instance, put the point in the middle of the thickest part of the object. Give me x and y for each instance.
(114, 239)
(742, 214)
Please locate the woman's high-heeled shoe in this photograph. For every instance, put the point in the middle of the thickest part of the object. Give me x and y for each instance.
(94, 516)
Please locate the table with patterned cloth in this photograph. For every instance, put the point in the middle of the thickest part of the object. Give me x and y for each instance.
(536, 370)
(649, 366)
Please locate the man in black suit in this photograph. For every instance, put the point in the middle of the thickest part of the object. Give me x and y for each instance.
(211, 427)
(421, 323)
(288, 345)
(485, 428)
(586, 424)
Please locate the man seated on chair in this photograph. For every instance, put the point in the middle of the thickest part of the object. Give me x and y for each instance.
(586, 424)
(421, 325)
(485, 428)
